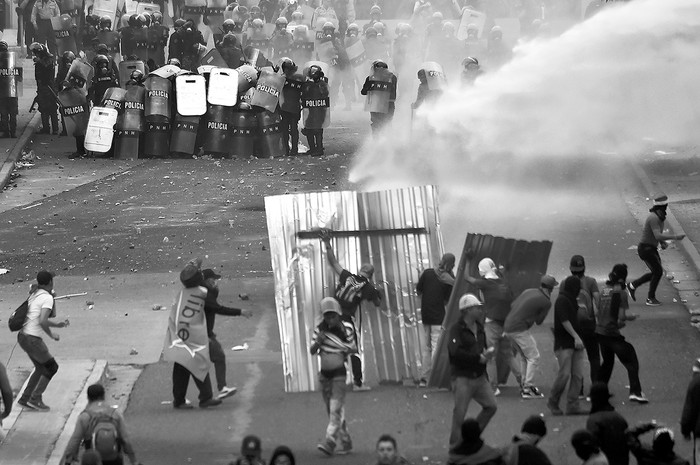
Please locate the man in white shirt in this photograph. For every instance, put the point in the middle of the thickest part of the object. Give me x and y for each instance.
(41, 308)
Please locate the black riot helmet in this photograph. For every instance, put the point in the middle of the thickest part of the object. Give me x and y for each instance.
(136, 76)
(3, 46)
(281, 23)
(230, 39)
(134, 21)
(379, 64)
(156, 18)
(67, 57)
(102, 49)
(106, 22)
(228, 26)
(175, 62)
(315, 73)
(179, 22)
(470, 63)
(93, 20)
(102, 64)
(287, 65)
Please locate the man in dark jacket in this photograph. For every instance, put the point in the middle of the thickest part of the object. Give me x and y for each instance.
(469, 353)
(568, 349)
(523, 450)
(434, 288)
(661, 450)
(472, 450)
(690, 418)
(212, 308)
(608, 426)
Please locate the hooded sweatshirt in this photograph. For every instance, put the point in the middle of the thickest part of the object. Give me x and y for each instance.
(497, 295)
(566, 309)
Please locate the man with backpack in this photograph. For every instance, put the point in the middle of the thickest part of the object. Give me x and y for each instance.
(587, 300)
(101, 428)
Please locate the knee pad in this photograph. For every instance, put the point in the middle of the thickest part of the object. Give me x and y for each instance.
(51, 368)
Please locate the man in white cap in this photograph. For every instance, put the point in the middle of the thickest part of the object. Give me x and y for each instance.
(690, 418)
(530, 307)
(648, 249)
(469, 353)
(333, 341)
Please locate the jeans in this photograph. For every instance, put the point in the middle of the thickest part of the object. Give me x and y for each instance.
(590, 343)
(464, 390)
(526, 347)
(181, 378)
(504, 357)
(218, 358)
(570, 363)
(650, 255)
(355, 359)
(333, 391)
(432, 335)
(611, 346)
(45, 367)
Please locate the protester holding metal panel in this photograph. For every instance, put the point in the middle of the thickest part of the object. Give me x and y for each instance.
(10, 90)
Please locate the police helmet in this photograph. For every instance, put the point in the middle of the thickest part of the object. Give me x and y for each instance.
(102, 49)
(134, 21)
(228, 26)
(315, 72)
(328, 25)
(67, 56)
(448, 28)
(255, 11)
(281, 21)
(258, 23)
(92, 20)
(297, 16)
(379, 27)
(136, 76)
(105, 22)
(437, 17)
(179, 22)
(230, 39)
(472, 29)
(379, 64)
(36, 48)
(241, 12)
(145, 19)
(375, 10)
(157, 17)
(371, 32)
(496, 33)
(124, 21)
(175, 62)
(301, 31)
(286, 63)
(101, 61)
(3, 46)
(470, 63)
(352, 28)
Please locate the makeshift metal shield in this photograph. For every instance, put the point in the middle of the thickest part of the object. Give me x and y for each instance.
(191, 92)
(223, 87)
(100, 129)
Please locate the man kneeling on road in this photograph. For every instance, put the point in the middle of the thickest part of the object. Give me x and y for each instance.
(102, 429)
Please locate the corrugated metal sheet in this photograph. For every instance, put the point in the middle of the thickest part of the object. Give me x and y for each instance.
(398, 231)
(525, 263)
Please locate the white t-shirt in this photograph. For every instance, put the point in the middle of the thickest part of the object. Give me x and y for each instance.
(40, 299)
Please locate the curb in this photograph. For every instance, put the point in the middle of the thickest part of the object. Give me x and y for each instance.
(16, 151)
(96, 376)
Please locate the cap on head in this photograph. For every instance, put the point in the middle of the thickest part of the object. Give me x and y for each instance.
(251, 445)
(535, 425)
(44, 277)
(661, 200)
(330, 305)
(469, 301)
(209, 273)
(367, 269)
(577, 263)
(548, 281)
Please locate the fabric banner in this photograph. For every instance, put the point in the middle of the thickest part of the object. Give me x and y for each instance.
(186, 340)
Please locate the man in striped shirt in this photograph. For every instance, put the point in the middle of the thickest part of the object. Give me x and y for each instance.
(333, 340)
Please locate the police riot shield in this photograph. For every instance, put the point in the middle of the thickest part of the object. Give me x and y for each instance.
(184, 135)
(216, 126)
(470, 16)
(114, 98)
(10, 75)
(79, 74)
(111, 40)
(379, 92)
(301, 52)
(321, 64)
(213, 58)
(100, 129)
(223, 87)
(145, 7)
(281, 45)
(166, 72)
(291, 93)
(191, 92)
(326, 52)
(157, 138)
(316, 107)
(267, 91)
(130, 124)
(358, 60)
(64, 30)
(245, 130)
(74, 111)
(261, 44)
(270, 131)
(215, 14)
(106, 8)
(194, 10)
(141, 43)
(126, 68)
(435, 75)
(247, 78)
(158, 92)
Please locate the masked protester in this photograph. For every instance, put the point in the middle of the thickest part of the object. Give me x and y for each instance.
(44, 72)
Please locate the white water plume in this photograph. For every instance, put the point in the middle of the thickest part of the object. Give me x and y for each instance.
(610, 84)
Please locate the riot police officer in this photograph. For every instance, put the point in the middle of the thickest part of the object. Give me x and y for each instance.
(11, 79)
(470, 70)
(316, 105)
(103, 79)
(182, 45)
(290, 104)
(380, 89)
(231, 51)
(44, 72)
(281, 40)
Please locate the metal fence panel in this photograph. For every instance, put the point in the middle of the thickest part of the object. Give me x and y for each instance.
(525, 263)
(398, 231)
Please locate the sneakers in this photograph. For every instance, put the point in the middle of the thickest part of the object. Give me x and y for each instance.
(23, 404)
(423, 382)
(326, 447)
(496, 392)
(226, 391)
(630, 291)
(361, 387)
(653, 303)
(38, 405)
(556, 411)
(184, 406)
(210, 403)
(531, 392)
(639, 398)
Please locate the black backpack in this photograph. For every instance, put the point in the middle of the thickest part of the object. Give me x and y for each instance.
(18, 317)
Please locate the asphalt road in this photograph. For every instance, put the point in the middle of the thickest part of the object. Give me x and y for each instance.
(115, 228)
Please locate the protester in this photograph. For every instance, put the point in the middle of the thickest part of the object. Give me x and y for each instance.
(530, 307)
(690, 418)
(333, 340)
(497, 302)
(653, 237)
(190, 355)
(434, 288)
(587, 448)
(5, 393)
(523, 449)
(212, 308)
(388, 451)
(351, 290)
(469, 353)
(661, 450)
(251, 452)
(568, 349)
(103, 424)
(41, 308)
(612, 315)
(587, 300)
(608, 426)
(472, 450)
(282, 455)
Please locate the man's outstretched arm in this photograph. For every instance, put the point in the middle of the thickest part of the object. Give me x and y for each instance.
(331, 255)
